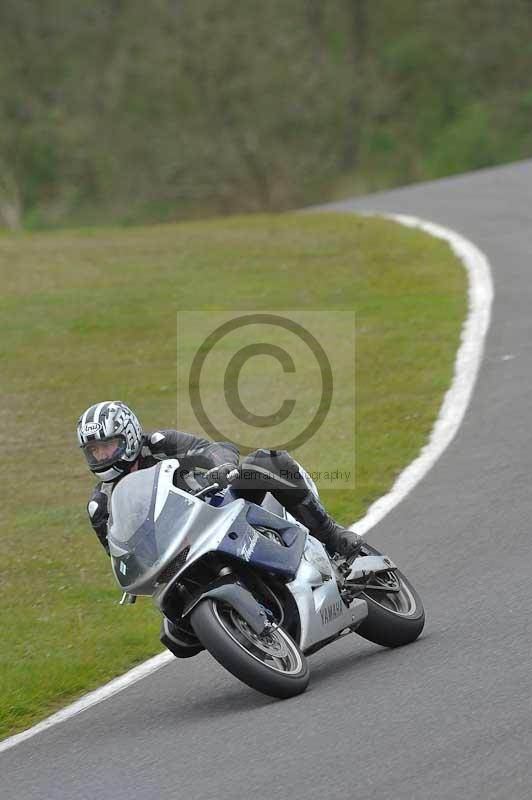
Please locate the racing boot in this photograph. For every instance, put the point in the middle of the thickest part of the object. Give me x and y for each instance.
(322, 526)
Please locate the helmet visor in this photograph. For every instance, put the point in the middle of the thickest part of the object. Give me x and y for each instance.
(104, 452)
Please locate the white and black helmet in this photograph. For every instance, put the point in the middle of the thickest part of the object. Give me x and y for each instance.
(111, 438)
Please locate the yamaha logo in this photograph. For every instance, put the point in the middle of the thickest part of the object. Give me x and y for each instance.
(331, 612)
(91, 427)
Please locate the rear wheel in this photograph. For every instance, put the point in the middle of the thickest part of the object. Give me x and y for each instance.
(271, 663)
(395, 612)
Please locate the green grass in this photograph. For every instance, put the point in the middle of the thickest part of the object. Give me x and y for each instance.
(91, 315)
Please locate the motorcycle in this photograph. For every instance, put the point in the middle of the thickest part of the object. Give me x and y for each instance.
(246, 582)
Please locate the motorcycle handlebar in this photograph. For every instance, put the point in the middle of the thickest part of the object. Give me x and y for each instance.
(231, 476)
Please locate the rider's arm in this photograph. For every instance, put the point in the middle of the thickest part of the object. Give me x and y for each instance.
(192, 451)
(98, 510)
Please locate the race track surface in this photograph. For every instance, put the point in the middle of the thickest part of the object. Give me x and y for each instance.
(446, 718)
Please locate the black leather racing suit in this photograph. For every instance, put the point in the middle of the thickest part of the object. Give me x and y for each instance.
(192, 451)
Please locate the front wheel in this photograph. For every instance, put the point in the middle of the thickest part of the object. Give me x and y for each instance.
(271, 663)
(395, 611)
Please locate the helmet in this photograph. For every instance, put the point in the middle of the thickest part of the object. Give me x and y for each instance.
(111, 438)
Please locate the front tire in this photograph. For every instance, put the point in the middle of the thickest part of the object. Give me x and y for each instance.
(271, 663)
(394, 618)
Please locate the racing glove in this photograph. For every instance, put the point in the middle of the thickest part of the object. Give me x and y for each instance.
(223, 475)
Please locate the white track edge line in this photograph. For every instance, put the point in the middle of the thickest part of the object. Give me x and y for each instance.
(466, 368)
(91, 699)
(452, 412)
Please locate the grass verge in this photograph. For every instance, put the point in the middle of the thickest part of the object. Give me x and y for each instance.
(91, 315)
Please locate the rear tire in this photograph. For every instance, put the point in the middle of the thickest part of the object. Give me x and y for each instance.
(395, 618)
(271, 663)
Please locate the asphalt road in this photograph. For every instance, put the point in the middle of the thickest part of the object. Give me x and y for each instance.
(448, 717)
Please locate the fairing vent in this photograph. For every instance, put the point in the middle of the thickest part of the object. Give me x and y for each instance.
(271, 534)
(171, 570)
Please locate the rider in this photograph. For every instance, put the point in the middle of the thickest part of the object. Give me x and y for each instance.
(114, 445)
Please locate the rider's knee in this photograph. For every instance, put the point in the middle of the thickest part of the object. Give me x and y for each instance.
(265, 454)
(258, 455)
(281, 464)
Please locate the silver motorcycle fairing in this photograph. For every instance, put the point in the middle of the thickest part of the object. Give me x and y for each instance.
(322, 612)
(139, 555)
(201, 529)
(155, 525)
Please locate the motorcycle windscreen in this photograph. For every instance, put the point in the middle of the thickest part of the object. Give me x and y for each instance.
(137, 538)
